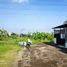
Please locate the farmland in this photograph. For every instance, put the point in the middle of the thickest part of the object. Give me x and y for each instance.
(9, 44)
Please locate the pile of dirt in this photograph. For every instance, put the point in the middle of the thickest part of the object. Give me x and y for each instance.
(42, 55)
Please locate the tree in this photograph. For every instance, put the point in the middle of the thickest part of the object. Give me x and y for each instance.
(22, 35)
(37, 35)
(3, 34)
(28, 35)
(14, 35)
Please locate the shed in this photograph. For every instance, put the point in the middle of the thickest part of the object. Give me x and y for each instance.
(60, 34)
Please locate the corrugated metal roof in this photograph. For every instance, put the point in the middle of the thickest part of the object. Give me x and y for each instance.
(61, 26)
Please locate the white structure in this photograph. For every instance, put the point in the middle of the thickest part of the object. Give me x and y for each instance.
(22, 43)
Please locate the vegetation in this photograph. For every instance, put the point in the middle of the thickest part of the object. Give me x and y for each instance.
(9, 43)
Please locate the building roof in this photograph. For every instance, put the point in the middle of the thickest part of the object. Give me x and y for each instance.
(61, 26)
(65, 22)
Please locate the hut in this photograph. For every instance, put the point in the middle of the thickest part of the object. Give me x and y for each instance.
(60, 35)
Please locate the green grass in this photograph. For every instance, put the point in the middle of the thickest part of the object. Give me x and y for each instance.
(8, 48)
(37, 41)
(8, 53)
(4, 49)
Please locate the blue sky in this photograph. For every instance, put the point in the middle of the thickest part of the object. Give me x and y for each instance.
(32, 15)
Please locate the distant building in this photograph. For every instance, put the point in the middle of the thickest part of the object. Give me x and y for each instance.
(60, 34)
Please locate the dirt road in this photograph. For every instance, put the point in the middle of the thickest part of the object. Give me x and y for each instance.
(41, 55)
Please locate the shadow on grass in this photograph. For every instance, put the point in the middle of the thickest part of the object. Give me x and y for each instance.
(62, 49)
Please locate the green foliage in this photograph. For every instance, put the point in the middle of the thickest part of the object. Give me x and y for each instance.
(43, 36)
(14, 35)
(25, 35)
(22, 35)
(28, 35)
(39, 36)
(3, 34)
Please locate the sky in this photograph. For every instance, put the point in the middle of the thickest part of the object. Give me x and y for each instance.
(22, 16)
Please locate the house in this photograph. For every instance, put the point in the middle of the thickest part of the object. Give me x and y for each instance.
(60, 35)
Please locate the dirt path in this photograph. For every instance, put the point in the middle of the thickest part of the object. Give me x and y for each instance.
(41, 55)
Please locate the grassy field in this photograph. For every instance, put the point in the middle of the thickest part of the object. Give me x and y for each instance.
(8, 49)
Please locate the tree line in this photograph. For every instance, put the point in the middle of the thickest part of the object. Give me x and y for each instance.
(4, 35)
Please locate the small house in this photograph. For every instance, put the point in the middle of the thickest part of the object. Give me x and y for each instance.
(60, 35)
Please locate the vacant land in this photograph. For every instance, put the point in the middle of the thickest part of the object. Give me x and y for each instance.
(41, 55)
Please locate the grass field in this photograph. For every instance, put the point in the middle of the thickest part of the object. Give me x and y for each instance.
(8, 51)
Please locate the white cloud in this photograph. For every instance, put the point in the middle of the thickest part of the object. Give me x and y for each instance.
(20, 1)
